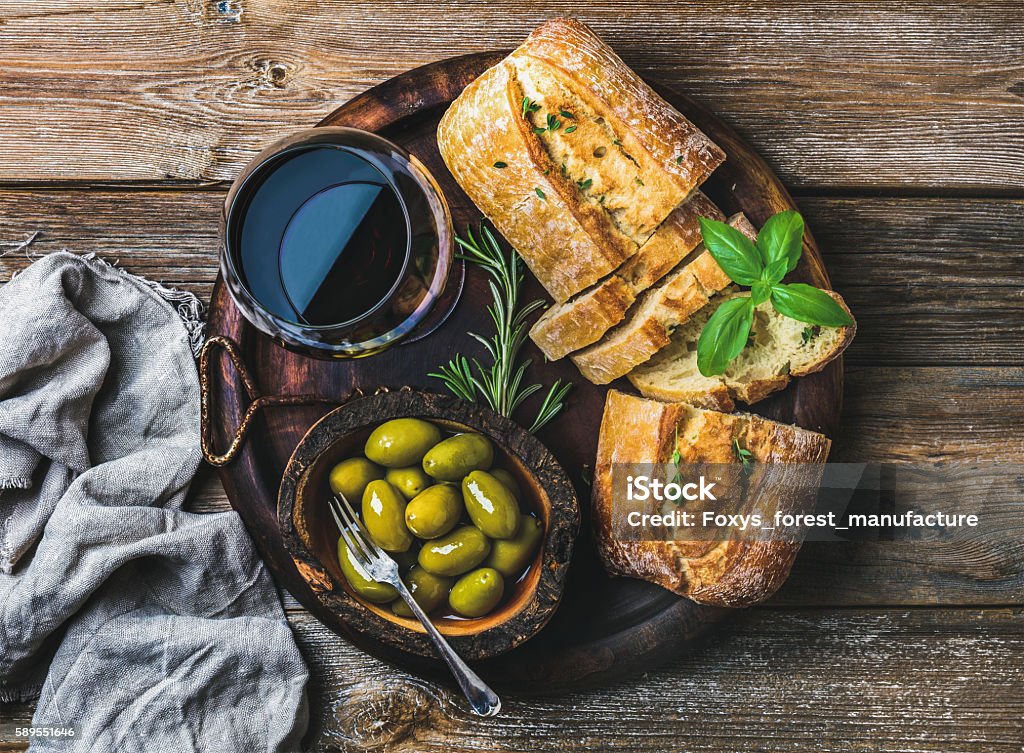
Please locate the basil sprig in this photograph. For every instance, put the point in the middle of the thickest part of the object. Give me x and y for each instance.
(760, 266)
(725, 335)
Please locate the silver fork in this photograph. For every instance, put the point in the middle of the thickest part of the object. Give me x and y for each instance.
(382, 568)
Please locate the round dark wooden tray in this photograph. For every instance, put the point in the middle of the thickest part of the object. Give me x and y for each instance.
(606, 629)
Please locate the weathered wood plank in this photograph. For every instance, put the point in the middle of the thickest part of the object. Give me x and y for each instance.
(854, 94)
(12, 716)
(987, 570)
(931, 281)
(926, 414)
(916, 415)
(907, 681)
(167, 236)
(852, 681)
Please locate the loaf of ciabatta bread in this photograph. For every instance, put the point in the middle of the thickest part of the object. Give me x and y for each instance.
(649, 323)
(735, 571)
(779, 348)
(585, 318)
(573, 158)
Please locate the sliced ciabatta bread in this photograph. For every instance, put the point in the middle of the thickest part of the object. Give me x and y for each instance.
(736, 571)
(571, 155)
(649, 323)
(583, 319)
(778, 349)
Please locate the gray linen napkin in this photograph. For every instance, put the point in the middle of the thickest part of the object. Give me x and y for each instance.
(173, 635)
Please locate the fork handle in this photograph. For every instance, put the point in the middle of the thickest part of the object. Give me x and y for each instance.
(482, 699)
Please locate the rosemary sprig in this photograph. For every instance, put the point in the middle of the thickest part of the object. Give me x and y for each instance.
(553, 403)
(500, 384)
(458, 377)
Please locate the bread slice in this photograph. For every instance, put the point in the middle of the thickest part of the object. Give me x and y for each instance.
(649, 323)
(583, 320)
(734, 572)
(573, 158)
(780, 348)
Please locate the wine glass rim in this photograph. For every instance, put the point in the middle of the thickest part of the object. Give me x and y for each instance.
(256, 169)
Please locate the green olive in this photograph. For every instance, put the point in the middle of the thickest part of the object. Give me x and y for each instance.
(455, 553)
(477, 593)
(456, 456)
(384, 516)
(490, 505)
(434, 512)
(508, 480)
(350, 477)
(427, 589)
(359, 579)
(410, 481)
(401, 442)
(511, 556)
(406, 560)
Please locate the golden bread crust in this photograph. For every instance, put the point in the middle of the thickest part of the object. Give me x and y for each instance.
(568, 326)
(653, 126)
(575, 224)
(584, 319)
(656, 379)
(723, 573)
(671, 243)
(678, 296)
(482, 129)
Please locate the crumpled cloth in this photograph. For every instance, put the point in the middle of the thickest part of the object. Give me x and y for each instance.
(165, 630)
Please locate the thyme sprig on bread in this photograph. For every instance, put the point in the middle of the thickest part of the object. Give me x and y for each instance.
(760, 266)
(500, 384)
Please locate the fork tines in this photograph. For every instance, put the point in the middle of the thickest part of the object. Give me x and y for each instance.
(356, 539)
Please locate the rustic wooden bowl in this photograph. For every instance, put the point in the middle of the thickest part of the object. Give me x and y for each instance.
(311, 536)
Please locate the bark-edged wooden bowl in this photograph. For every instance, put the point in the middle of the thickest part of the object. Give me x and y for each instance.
(311, 536)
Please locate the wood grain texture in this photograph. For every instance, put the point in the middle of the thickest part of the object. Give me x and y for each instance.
(915, 98)
(922, 275)
(842, 93)
(851, 681)
(905, 681)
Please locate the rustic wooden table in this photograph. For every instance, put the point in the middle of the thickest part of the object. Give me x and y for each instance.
(899, 127)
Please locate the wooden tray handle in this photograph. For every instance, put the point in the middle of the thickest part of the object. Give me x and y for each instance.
(257, 401)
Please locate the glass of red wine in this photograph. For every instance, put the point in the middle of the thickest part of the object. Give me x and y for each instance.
(337, 243)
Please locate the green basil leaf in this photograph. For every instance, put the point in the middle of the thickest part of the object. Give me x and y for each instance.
(733, 251)
(809, 304)
(782, 237)
(760, 291)
(775, 271)
(725, 335)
